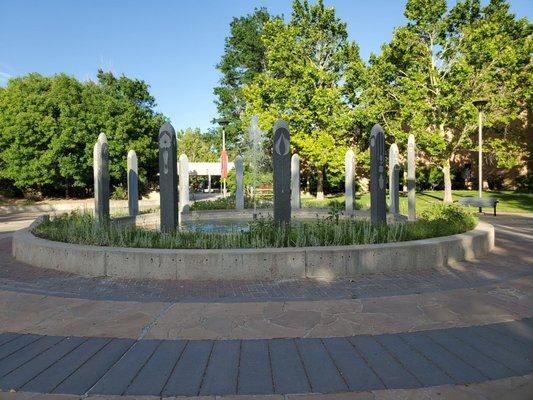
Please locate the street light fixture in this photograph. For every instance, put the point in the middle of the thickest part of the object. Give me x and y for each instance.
(480, 105)
(223, 156)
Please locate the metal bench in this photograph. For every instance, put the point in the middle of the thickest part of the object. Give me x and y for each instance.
(479, 202)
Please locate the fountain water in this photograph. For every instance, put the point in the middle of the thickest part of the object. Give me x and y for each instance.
(256, 137)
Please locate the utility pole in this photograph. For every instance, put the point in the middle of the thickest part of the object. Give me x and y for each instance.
(223, 156)
(480, 104)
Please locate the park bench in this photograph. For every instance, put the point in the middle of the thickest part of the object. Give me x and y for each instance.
(479, 202)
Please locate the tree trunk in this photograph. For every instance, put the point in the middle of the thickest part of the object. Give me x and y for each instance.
(320, 185)
(447, 182)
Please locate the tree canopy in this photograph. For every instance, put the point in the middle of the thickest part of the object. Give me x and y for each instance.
(198, 146)
(306, 70)
(426, 78)
(305, 81)
(48, 126)
(423, 81)
(242, 61)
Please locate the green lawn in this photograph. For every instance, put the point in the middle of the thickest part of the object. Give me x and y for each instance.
(509, 201)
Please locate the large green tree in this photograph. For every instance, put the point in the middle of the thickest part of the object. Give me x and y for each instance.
(242, 61)
(198, 146)
(48, 126)
(425, 79)
(305, 82)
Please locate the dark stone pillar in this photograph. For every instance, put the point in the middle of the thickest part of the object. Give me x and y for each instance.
(281, 160)
(378, 204)
(168, 178)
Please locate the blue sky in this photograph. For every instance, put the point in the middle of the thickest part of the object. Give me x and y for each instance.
(172, 45)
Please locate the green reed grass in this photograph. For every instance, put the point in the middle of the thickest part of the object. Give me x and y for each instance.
(82, 229)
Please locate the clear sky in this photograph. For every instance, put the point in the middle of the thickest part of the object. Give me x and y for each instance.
(173, 45)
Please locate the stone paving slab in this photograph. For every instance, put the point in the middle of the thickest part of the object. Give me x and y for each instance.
(280, 366)
(50, 315)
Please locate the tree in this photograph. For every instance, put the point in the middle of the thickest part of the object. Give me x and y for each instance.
(33, 109)
(243, 59)
(197, 146)
(304, 82)
(425, 79)
(48, 126)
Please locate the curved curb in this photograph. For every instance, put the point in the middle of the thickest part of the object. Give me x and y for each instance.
(250, 264)
(516, 387)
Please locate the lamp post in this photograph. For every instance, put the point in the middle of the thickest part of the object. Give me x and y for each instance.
(480, 105)
(223, 156)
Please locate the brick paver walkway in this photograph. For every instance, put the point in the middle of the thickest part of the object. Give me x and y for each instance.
(511, 260)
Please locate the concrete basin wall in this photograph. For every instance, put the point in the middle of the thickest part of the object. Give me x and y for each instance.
(327, 262)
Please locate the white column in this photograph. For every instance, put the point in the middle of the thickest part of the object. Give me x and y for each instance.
(349, 173)
(411, 176)
(183, 184)
(295, 182)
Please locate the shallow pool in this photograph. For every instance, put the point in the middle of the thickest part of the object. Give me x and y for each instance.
(220, 226)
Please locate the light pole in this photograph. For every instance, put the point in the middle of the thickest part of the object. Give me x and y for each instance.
(223, 156)
(480, 105)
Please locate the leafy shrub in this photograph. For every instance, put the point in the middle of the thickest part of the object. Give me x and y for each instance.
(447, 212)
(495, 182)
(430, 178)
(524, 183)
(441, 220)
(228, 203)
(460, 175)
(32, 194)
(221, 203)
(119, 193)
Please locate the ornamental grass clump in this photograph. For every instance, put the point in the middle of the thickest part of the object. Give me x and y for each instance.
(262, 233)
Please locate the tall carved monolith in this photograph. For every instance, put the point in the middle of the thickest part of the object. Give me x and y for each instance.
(349, 175)
(378, 204)
(183, 184)
(168, 178)
(133, 184)
(101, 179)
(295, 182)
(394, 180)
(411, 174)
(239, 183)
(281, 160)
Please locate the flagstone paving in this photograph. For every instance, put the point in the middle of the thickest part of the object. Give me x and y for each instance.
(53, 315)
(460, 332)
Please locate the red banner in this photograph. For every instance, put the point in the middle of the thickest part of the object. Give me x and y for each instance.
(224, 164)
